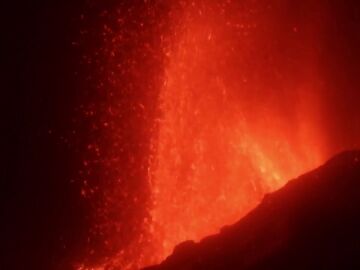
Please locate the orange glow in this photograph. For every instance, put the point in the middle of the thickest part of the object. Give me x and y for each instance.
(233, 126)
(240, 113)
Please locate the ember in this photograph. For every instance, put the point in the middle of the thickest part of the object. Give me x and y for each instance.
(135, 125)
(239, 117)
(233, 109)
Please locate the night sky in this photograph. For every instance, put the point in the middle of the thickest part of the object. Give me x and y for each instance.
(58, 125)
(41, 211)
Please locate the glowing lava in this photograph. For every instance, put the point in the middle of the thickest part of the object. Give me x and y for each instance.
(239, 118)
(240, 114)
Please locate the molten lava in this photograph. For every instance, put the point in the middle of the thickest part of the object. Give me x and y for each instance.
(240, 112)
(239, 117)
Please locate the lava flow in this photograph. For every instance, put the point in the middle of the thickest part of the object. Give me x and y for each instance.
(239, 112)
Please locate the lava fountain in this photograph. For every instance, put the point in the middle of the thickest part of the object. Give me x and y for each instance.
(239, 116)
(239, 113)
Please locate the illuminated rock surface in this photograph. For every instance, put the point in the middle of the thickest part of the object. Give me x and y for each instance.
(311, 223)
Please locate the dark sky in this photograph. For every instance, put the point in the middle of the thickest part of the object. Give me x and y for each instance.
(39, 208)
(340, 56)
(43, 218)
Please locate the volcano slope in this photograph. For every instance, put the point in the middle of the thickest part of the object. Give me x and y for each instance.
(313, 222)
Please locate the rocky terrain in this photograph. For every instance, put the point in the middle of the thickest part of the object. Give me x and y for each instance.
(313, 222)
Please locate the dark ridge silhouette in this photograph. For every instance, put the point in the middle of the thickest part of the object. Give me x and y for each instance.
(313, 222)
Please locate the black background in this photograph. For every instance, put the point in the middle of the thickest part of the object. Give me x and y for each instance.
(41, 212)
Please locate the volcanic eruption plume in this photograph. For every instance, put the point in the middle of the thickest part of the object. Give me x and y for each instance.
(239, 116)
(226, 101)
